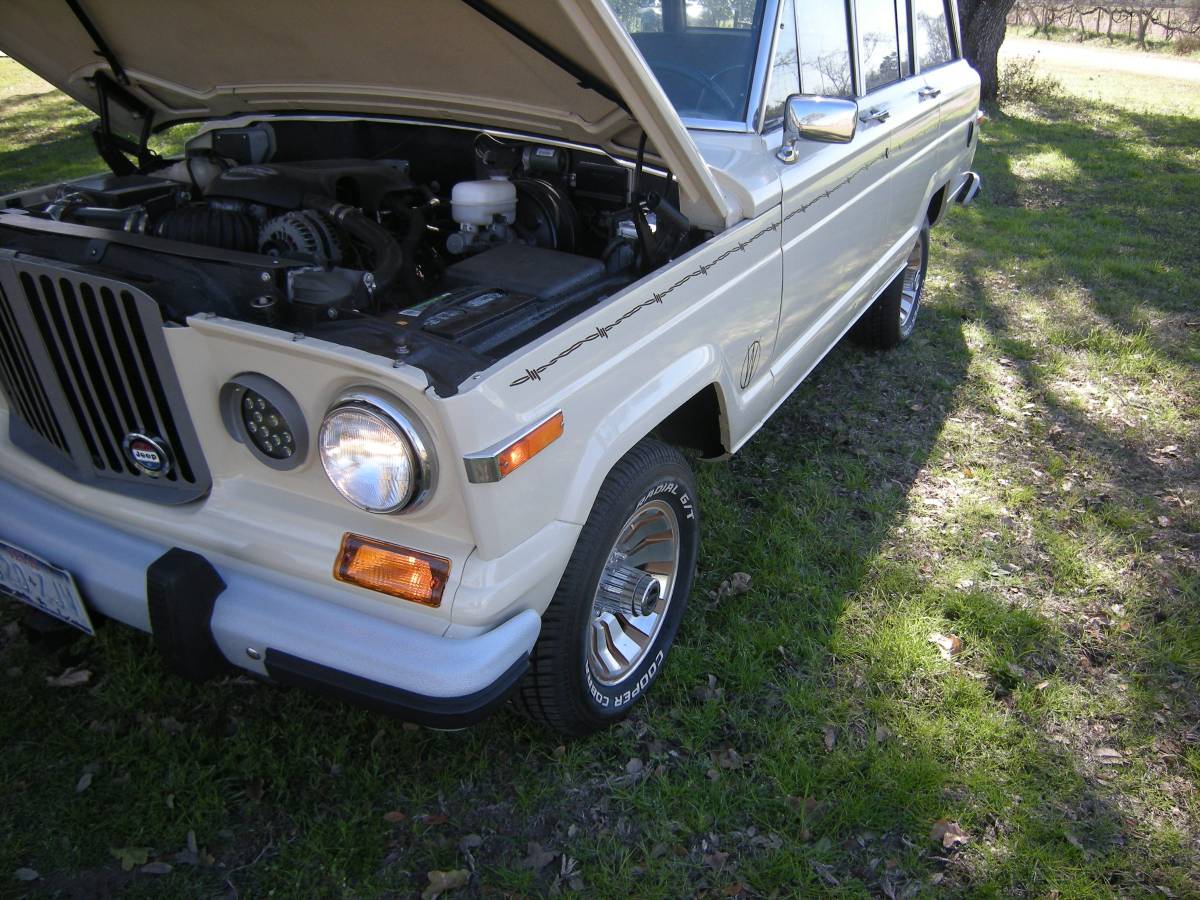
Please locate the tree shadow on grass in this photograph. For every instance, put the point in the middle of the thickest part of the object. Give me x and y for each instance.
(44, 140)
(1121, 223)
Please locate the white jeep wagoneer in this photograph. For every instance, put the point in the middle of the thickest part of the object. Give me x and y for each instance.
(378, 386)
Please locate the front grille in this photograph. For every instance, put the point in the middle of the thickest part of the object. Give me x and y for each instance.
(85, 366)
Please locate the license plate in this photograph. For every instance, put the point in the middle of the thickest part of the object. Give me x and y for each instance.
(42, 586)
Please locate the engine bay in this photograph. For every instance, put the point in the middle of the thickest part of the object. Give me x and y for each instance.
(442, 248)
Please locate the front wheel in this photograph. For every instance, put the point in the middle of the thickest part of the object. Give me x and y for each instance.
(890, 320)
(607, 632)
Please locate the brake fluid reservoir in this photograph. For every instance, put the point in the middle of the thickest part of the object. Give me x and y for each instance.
(478, 203)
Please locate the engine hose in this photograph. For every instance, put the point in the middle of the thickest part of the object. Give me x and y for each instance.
(386, 252)
(411, 221)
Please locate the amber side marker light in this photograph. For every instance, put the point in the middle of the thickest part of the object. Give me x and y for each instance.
(389, 569)
(497, 462)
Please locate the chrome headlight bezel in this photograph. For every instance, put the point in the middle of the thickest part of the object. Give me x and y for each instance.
(394, 415)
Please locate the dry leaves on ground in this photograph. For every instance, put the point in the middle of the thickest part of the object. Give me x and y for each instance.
(949, 645)
(440, 882)
(830, 737)
(948, 834)
(70, 678)
(538, 858)
(130, 857)
(737, 583)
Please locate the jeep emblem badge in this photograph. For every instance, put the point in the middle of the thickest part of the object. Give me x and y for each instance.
(148, 455)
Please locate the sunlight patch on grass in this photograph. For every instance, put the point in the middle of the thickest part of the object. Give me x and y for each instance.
(1047, 164)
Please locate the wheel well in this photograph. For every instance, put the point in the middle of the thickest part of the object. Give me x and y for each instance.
(937, 205)
(696, 425)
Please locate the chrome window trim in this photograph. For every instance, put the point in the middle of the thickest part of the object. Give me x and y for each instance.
(859, 82)
(909, 24)
(762, 66)
(693, 124)
(956, 51)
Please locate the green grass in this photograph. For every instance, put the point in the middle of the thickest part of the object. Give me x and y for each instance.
(1120, 40)
(1021, 475)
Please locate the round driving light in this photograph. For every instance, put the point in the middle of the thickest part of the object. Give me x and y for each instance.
(375, 455)
(261, 414)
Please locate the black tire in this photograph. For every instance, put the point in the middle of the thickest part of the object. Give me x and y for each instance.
(560, 690)
(882, 326)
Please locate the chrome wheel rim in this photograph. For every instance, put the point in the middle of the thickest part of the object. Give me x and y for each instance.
(910, 292)
(634, 592)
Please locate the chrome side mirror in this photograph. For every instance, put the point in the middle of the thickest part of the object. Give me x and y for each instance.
(830, 120)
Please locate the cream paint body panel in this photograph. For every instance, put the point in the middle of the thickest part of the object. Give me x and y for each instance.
(744, 167)
(617, 372)
(914, 153)
(836, 211)
(957, 104)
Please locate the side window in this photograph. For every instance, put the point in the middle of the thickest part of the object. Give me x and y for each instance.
(932, 32)
(906, 68)
(823, 35)
(785, 70)
(878, 42)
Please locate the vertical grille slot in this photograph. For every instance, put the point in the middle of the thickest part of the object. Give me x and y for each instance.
(56, 337)
(21, 383)
(84, 361)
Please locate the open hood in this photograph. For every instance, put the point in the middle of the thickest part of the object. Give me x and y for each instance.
(561, 68)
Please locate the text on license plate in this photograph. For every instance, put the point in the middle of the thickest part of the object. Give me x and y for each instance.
(42, 586)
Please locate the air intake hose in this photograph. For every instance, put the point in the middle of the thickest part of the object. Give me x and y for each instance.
(385, 250)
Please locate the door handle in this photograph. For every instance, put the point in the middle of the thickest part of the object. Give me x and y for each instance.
(875, 114)
(928, 93)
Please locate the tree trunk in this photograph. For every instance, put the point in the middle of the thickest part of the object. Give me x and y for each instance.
(983, 26)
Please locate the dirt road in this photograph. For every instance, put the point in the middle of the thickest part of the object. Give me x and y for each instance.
(1102, 59)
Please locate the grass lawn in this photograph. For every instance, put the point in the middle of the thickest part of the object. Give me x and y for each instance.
(1119, 40)
(1021, 478)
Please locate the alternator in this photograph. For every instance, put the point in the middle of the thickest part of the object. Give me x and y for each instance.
(303, 234)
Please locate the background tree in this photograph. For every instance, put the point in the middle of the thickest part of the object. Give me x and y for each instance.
(983, 25)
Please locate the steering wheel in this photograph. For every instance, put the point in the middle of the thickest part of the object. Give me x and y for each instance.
(704, 82)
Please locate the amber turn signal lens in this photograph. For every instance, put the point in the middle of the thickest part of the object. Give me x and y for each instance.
(521, 451)
(389, 569)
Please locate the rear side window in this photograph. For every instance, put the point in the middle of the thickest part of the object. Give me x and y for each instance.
(878, 42)
(932, 33)
(823, 37)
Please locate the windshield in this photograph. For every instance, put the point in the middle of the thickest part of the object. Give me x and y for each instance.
(701, 51)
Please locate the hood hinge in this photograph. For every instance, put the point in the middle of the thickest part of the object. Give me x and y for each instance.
(114, 149)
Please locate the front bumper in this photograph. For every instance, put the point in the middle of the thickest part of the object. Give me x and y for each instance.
(267, 626)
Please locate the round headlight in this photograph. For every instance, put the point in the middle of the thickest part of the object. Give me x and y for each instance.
(374, 454)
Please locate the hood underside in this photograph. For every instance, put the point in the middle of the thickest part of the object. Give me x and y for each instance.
(449, 60)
